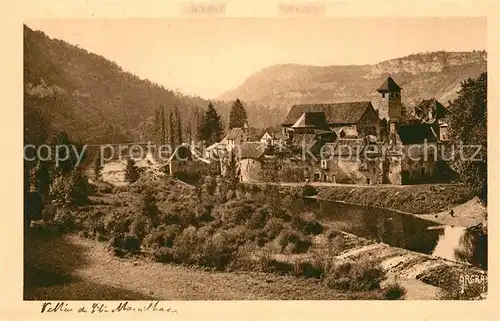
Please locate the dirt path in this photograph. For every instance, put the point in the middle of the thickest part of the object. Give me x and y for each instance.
(71, 268)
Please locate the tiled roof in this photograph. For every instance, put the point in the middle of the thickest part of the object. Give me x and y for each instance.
(311, 119)
(416, 134)
(335, 113)
(389, 85)
(433, 103)
(253, 150)
(234, 133)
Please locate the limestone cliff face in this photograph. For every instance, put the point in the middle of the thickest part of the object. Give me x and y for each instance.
(422, 76)
(427, 63)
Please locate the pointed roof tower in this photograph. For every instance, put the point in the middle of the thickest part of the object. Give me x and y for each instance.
(389, 85)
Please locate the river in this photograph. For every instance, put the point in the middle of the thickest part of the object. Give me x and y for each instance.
(400, 230)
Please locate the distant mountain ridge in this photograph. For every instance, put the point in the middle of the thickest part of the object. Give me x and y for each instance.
(422, 76)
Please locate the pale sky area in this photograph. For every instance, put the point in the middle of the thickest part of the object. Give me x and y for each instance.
(207, 57)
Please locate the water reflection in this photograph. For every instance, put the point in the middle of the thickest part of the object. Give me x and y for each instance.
(448, 242)
(399, 230)
(473, 247)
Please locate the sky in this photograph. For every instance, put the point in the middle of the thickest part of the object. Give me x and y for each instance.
(207, 57)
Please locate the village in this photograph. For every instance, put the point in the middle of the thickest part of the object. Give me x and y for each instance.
(343, 143)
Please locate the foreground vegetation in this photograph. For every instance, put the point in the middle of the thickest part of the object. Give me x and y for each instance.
(222, 229)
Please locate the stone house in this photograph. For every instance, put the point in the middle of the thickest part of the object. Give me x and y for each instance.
(251, 155)
(431, 111)
(266, 139)
(235, 138)
(185, 158)
(359, 118)
(352, 161)
(419, 148)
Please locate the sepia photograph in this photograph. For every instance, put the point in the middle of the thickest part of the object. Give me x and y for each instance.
(254, 158)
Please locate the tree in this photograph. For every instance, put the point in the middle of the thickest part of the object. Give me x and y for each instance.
(237, 115)
(67, 158)
(160, 125)
(171, 132)
(232, 170)
(178, 124)
(97, 167)
(131, 172)
(211, 126)
(468, 117)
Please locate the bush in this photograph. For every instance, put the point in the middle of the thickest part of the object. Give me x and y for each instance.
(70, 189)
(183, 214)
(293, 241)
(307, 224)
(123, 244)
(162, 236)
(236, 212)
(118, 224)
(185, 245)
(132, 173)
(163, 254)
(292, 174)
(309, 190)
(204, 212)
(209, 185)
(273, 228)
(259, 218)
(217, 252)
(309, 269)
(139, 227)
(271, 265)
(394, 291)
(362, 275)
(64, 220)
(149, 208)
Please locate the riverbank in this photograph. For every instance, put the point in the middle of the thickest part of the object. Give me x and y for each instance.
(415, 199)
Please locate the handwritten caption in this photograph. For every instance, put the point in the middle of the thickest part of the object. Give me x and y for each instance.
(98, 307)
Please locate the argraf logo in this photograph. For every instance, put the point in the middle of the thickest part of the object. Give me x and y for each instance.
(466, 280)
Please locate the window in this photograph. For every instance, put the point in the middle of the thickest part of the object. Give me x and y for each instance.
(383, 95)
(374, 170)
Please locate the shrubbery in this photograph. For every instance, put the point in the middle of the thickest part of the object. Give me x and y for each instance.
(355, 276)
(394, 291)
(132, 172)
(64, 220)
(309, 190)
(70, 189)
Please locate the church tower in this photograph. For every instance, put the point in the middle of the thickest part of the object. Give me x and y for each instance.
(390, 106)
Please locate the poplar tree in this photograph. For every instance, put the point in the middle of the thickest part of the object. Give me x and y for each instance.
(237, 115)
